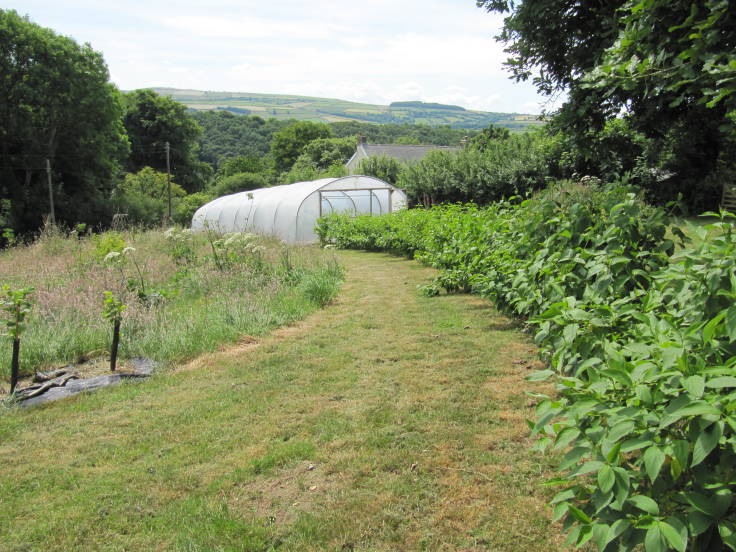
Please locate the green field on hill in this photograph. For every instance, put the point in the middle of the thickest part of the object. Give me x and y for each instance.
(331, 110)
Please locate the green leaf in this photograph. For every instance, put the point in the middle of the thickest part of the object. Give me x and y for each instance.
(653, 460)
(655, 540)
(600, 535)
(698, 522)
(636, 443)
(566, 436)
(619, 527)
(612, 455)
(567, 494)
(706, 442)
(721, 382)
(606, 478)
(731, 323)
(645, 503)
(675, 532)
(694, 385)
(710, 328)
(727, 531)
(702, 503)
(573, 456)
(588, 467)
(697, 408)
(579, 514)
(620, 430)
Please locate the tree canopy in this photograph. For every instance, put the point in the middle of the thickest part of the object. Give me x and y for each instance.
(151, 121)
(55, 103)
(667, 66)
(287, 144)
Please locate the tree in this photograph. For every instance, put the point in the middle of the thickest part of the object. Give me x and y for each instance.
(667, 64)
(151, 121)
(238, 182)
(386, 168)
(55, 103)
(325, 152)
(482, 141)
(150, 183)
(287, 144)
(243, 164)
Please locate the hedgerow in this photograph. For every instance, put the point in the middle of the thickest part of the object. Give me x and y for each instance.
(640, 337)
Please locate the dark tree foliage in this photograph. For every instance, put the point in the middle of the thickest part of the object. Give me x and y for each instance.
(287, 144)
(151, 120)
(667, 64)
(482, 141)
(226, 135)
(325, 152)
(442, 135)
(55, 103)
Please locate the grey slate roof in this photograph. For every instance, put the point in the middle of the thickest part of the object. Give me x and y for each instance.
(403, 152)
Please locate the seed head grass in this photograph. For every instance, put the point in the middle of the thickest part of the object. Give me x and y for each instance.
(177, 305)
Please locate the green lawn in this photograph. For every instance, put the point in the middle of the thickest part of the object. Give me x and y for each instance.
(388, 421)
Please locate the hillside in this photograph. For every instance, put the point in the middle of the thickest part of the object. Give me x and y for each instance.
(333, 110)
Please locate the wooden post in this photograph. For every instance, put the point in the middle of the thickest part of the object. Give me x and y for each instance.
(168, 179)
(51, 191)
(115, 341)
(14, 364)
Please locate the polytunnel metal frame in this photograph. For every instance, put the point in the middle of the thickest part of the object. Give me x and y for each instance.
(228, 213)
(370, 194)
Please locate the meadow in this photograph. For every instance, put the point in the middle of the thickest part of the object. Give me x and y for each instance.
(184, 294)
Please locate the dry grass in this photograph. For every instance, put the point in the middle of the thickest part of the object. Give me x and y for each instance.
(410, 410)
(175, 309)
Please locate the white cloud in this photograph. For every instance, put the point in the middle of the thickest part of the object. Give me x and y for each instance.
(376, 51)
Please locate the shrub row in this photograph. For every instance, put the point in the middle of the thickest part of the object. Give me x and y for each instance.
(641, 339)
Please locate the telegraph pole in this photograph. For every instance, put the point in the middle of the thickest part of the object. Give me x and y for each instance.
(168, 178)
(51, 191)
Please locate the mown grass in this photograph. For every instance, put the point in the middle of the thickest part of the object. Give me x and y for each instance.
(182, 300)
(388, 421)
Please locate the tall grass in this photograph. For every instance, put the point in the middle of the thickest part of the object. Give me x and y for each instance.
(180, 302)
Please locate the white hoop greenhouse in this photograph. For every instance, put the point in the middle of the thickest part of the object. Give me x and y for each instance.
(290, 212)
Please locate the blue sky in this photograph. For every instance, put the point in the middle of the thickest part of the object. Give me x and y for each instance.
(375, 51)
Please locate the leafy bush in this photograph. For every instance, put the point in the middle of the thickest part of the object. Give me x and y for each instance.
(109, 242)
(188, 205)
(238, 182)
(641, 340)
(381, 166)
(513, 166)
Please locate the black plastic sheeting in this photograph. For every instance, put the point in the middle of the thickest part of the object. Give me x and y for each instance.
(143, 368)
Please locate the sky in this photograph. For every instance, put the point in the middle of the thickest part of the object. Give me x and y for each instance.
(372, 51)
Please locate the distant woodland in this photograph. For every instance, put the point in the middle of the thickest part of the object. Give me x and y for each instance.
(656, 112)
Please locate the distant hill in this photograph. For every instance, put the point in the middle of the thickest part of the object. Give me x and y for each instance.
(331, 110)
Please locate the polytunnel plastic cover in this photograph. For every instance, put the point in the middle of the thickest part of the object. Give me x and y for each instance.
(290, 212)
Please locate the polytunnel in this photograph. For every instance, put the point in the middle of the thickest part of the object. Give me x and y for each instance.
(290, 212)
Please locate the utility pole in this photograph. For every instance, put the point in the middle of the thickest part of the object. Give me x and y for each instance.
(168, 178)
(51, 191)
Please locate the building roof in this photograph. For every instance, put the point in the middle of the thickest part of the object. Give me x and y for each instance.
(403, 152)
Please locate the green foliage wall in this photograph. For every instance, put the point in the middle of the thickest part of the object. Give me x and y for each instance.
(288, 143)
(55, 103)
(152, 120)
(507, 167)
(640, 338)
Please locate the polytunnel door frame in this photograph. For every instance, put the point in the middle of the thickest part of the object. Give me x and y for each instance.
(372, 195)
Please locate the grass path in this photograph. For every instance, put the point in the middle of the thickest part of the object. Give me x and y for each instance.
(388, 421)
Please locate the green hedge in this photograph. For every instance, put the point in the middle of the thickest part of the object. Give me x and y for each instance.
(640, 338)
